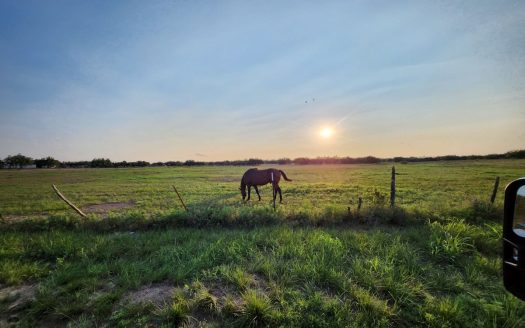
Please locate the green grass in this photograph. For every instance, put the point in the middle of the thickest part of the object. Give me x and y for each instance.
(432, 186)
(434, 261)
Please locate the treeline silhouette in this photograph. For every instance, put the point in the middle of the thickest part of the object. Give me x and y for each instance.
(21, 161)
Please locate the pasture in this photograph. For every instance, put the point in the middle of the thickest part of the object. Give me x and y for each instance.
(140, 259)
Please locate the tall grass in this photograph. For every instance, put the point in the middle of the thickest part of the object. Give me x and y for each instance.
(431, 274)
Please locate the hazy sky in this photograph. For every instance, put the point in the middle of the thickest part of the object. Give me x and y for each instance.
(212, 80)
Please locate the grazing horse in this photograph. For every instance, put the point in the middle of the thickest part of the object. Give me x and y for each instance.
(256, 177)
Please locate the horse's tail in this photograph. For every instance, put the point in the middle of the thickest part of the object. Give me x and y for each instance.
(284, 176)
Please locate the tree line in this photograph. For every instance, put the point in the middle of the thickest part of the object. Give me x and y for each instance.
(22, 161)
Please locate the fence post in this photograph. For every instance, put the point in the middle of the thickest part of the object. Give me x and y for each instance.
(68, 202)
(180, 198)
(494, 191)
(359, 203)
(393, 187)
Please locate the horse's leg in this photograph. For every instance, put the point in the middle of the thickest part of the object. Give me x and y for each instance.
(257, 191)
(249, 192)
(280, 194)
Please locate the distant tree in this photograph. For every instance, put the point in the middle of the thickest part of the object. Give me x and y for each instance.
(2, 164)
(191, 162)
(47, 162)
(40, 163)
(172, 163)
(493, 156)
(18, 161)
(101, 162)
(301, 160)
(80, 164)
(255, 161)
(449, 157)
(371, 160)
(284, 161)
(348, 160)
(515, 154)
(121, 164)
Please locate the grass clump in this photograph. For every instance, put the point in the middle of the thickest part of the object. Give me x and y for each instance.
(257, 310)
(446, 243)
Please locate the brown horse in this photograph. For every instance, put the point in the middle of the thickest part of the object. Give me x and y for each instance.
(256, 177)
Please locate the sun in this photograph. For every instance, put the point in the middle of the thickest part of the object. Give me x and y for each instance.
(326, 132)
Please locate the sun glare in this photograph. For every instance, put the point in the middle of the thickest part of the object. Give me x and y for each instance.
(326, 133)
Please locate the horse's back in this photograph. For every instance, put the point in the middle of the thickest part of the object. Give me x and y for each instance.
(247, 176)
(261, 177)
(250, 172)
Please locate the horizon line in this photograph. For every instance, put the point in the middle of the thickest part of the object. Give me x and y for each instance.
(277, 159)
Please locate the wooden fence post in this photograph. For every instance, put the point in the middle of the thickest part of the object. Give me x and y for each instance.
(68, 202)
(494, 191)
(393, 187)
(359, 203)
(180, 198)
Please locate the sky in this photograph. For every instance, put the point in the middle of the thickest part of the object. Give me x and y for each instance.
(219, 80)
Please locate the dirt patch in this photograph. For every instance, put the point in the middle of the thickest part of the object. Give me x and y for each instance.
(107, 207)
(259, 282)
(14, 299)
(223, 292)
(157, 294)
(200, 319)
(52, 323)
(17, 297)
(100, 292)
(14, 218)
(206, 302)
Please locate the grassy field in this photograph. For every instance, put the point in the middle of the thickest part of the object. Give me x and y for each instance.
(431, 261)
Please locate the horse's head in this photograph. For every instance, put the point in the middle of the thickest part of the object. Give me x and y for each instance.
(243, 191)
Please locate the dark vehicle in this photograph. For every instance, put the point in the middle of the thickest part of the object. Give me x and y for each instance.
(514, 238)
